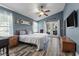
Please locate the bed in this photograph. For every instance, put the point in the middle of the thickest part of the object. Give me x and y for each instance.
(40, 39)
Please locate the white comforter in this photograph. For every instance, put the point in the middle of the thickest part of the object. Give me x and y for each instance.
(37, 38)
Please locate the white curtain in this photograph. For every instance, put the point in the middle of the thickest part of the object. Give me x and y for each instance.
(6, 23)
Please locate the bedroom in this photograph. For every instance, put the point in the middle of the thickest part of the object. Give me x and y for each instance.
(32, 29)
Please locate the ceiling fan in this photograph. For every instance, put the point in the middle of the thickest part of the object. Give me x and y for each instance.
(42, 11)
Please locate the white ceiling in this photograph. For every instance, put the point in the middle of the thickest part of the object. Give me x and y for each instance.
(30, 9)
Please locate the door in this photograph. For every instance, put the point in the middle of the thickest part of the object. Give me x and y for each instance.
(53, 27)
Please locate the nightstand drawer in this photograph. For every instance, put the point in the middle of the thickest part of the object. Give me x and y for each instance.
(13, 41)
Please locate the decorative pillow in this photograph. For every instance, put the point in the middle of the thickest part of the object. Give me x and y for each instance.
(23, 32)
(26, 31)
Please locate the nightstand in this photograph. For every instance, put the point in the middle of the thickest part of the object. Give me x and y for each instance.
(13, 41)
(68, 46)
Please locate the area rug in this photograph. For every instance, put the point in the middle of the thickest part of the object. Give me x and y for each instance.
(24, 50)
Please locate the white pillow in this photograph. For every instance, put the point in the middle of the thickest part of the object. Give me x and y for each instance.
(22, 32)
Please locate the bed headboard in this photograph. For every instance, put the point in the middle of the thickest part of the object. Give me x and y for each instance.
(21, 32)
(17, 32)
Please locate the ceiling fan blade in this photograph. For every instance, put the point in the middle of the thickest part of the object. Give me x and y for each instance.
(47, 11)
(42, 10)
(45, 14)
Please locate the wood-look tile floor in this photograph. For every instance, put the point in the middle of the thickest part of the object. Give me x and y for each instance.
(53, 47)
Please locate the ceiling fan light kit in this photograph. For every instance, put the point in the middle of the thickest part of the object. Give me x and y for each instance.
(42, 11)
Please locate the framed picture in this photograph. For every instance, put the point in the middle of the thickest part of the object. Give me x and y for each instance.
(20, 21)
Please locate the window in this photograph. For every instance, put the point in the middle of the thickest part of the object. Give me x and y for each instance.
(35, 27)
(6, 23)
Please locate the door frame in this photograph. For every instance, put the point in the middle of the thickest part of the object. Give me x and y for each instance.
(58, 29)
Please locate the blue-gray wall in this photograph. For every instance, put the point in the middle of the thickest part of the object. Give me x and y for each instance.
(17, 16)
(40, 25)
(72, 32)
(57, 16)
(17, 26)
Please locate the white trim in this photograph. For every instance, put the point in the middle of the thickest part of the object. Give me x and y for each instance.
(77, 54)
(5, 6)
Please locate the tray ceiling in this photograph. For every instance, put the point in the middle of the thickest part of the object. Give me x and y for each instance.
(30, 9)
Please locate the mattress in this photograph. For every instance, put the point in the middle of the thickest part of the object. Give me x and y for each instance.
(40, 39)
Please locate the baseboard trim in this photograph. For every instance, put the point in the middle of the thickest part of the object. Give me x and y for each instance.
(77, 54)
